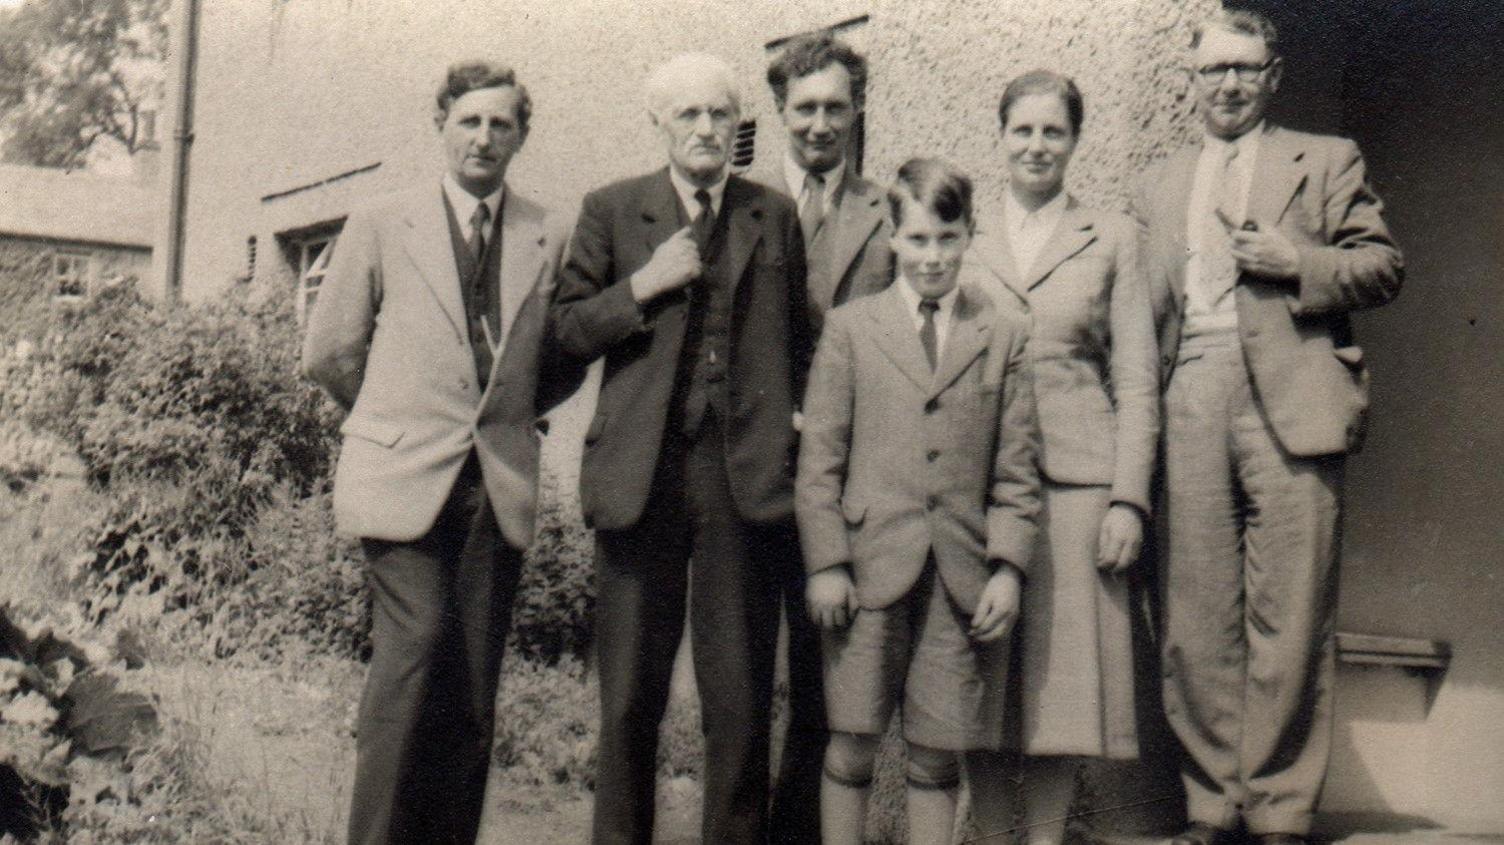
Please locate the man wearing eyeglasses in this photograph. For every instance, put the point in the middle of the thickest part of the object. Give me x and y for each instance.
(1258, 244)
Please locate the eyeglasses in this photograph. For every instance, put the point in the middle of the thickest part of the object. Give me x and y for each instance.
(1213, 74)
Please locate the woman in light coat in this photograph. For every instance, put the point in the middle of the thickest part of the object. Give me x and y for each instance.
(1075, 270)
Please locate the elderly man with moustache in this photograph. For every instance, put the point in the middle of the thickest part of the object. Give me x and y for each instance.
(1258, 245)
(431, 329)
(689, 282)
(817, 84)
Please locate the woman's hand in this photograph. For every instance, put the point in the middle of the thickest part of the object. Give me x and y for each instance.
(1122, 538)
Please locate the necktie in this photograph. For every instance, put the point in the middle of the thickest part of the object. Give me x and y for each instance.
(704, 221)
(928, 307)
(1219, 271)
(477, 239)
(813, 212)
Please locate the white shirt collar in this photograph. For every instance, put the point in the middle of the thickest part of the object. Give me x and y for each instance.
(464, 202)
(1029, 231)
(793, 177)
(947, 303)
(686, 191)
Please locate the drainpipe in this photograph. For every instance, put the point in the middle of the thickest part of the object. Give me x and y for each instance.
(185, 64)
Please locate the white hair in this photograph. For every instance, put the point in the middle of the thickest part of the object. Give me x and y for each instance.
(665, 78)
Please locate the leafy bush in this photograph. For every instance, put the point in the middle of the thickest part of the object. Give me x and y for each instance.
(194, 419)
(555, 604)
(25, 455)
(66, 729)
(304, 591)
(548, 722)
(216, 460)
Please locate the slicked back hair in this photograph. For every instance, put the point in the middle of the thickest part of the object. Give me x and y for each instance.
(936, 185)
(1241, 21)
(473, 75)
(809, 54)
(1042, 81)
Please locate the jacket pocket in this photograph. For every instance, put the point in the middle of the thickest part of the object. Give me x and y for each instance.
(374, 430)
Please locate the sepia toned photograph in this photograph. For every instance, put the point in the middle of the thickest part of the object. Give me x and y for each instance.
(945, 422)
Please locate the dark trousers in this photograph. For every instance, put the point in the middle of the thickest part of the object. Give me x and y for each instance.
(795, 816)
(690, 546)
(441, 608)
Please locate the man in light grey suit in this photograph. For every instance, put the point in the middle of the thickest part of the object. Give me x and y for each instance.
(431, 329)
(1258, 245)
(818, 84)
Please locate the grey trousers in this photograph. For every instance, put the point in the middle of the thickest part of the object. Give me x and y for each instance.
(1250, 601)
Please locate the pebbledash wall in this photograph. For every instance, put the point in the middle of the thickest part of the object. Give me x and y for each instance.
(305, 107)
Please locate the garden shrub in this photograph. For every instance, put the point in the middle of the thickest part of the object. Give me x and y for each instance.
(25, 455)
(548, 723)
(216, 458)
(555, 604)
(304, 591)
(66, 728)
(193, 419)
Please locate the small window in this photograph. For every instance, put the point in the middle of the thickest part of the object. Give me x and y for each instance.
(313, 263)
(250, 259)
(744, 148)
(72, 273)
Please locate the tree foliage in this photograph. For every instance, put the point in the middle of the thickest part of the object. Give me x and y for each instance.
(73, 72)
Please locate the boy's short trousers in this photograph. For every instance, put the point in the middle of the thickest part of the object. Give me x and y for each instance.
(916, 651)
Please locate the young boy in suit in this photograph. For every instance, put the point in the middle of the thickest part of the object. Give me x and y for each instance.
(916, 499)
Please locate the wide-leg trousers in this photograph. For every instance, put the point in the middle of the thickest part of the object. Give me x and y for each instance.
(441, 607)
(795, 814)
(689, 547)
(1250, 600)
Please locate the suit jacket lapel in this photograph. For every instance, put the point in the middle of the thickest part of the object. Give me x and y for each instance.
(660, 212)
(744, 228)
(521, 246)
(1072, 235)
(992, 251)
(859, 212)
(428, 244)
(968, 336)
(522, 239)
(898, 339)
(1277, 174)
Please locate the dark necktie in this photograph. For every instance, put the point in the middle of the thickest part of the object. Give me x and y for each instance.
(814, 206)
(704, 221)
(477, 239)
(928, 307)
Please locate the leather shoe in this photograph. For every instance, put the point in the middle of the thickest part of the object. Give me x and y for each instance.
(1203, 834)
(1280, 839)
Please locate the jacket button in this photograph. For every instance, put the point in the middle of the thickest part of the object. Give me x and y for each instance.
(932, 406)
(1167, 360)
(932, 502)
(933, 454)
